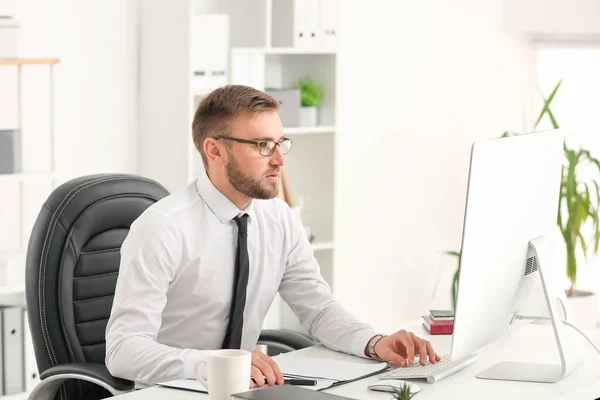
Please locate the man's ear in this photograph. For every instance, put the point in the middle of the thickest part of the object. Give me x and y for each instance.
(214, 150)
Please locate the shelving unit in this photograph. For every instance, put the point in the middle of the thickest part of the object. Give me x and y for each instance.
(281, 50)
(22, 178)
(22, 193)
(27, 177)
(28, 61)
(322, 246)
(168, 102)
(309, 130)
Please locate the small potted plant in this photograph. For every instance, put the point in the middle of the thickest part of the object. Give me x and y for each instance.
(403, 392)
(311, 94)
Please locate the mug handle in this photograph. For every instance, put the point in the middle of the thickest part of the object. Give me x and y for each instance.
(198, 376)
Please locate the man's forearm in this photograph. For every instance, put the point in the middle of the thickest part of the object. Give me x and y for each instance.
(141, 359)
(337, 329)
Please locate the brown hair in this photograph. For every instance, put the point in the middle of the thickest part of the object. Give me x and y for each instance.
(216, 111)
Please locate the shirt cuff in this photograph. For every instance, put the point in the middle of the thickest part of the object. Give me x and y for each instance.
(189, 362)
(361, 339)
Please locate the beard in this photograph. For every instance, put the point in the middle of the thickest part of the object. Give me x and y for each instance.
(248, 186)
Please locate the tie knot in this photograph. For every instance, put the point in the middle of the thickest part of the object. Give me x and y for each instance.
(242, 223)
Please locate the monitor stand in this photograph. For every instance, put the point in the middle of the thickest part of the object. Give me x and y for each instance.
(556, 300)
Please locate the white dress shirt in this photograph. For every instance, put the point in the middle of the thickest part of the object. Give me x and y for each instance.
(175, 284)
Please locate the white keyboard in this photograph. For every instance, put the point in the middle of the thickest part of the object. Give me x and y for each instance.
(431, 372)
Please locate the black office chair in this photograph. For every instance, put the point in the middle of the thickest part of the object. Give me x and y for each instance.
(71, 272)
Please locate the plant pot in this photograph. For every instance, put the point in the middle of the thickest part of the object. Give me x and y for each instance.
(308, 116)
(584, 308)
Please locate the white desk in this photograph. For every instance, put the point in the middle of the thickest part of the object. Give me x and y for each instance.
(533, 343)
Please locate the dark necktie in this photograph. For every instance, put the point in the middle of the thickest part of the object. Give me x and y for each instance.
(233, 336)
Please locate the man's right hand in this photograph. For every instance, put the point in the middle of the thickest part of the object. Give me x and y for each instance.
(264, 370)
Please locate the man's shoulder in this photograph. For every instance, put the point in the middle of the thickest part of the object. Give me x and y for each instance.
(175, 203)
(168, 212)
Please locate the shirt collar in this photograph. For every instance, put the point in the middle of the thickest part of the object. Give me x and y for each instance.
(219, 204)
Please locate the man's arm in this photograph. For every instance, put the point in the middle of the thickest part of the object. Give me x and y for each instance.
(149, 258)
(309, 296)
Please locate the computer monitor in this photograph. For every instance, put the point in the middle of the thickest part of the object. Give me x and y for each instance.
(511, 213)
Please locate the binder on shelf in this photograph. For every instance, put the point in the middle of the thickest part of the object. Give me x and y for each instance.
(210, 49)
(10, 151)
(302, 23)
(32, 377)
(328, 24)
(306, 23)
(12, 343)
(248, 68)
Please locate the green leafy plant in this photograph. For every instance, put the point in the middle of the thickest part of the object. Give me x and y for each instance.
(403, 392)
(578, 206)
(455, 277)
(311, 92)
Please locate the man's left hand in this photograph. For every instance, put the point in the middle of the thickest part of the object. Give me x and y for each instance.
(400, 349)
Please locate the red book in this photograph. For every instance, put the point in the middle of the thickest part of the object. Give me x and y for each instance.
(438, 327)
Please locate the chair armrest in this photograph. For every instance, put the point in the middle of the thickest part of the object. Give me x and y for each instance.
(54, 377)
(288, 340)
(93, 370)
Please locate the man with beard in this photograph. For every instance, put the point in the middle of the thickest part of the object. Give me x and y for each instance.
(200, 268)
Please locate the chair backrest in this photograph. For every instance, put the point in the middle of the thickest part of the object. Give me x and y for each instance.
(72, 267)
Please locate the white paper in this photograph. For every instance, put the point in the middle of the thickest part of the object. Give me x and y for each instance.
(320, 368)
(189, 384)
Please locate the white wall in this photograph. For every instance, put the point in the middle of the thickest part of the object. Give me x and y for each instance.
(418, 83)
(567, 21)
(95, 83)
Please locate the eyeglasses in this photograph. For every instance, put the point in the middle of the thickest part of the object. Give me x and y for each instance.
(265, 147)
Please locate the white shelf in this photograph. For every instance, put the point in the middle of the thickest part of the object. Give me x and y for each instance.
(12, 295)
(26, 176)
(16, 396)
(308, 130)
(282, 50)
(322, 246)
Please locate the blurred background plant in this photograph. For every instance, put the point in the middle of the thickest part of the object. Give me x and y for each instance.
(311, 92)
(578, 206)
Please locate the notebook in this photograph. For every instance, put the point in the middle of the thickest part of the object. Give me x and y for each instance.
(286, 392)
(327, 372)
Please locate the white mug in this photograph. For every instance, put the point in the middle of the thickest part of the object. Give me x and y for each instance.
(228, 372)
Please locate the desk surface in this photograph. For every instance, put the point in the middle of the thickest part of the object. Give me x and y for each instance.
(532, 343)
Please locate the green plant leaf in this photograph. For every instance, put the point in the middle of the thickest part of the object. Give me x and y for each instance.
(546, 108)
(596, 218)
(561, 199)
(311, 92)
(583, 245)
(455, 288)
(553, 120)
(455, 278)
(403, 392)
(453, 253)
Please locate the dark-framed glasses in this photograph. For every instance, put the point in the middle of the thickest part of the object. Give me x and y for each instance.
(265, 147)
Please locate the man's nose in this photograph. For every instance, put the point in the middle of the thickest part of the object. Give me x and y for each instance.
(277, 158)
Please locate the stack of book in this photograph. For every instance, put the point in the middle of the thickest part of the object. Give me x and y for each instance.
(439, 322)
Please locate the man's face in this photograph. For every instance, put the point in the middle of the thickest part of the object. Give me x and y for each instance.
(249, 172)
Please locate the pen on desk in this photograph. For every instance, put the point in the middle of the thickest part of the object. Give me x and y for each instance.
(300, 382)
